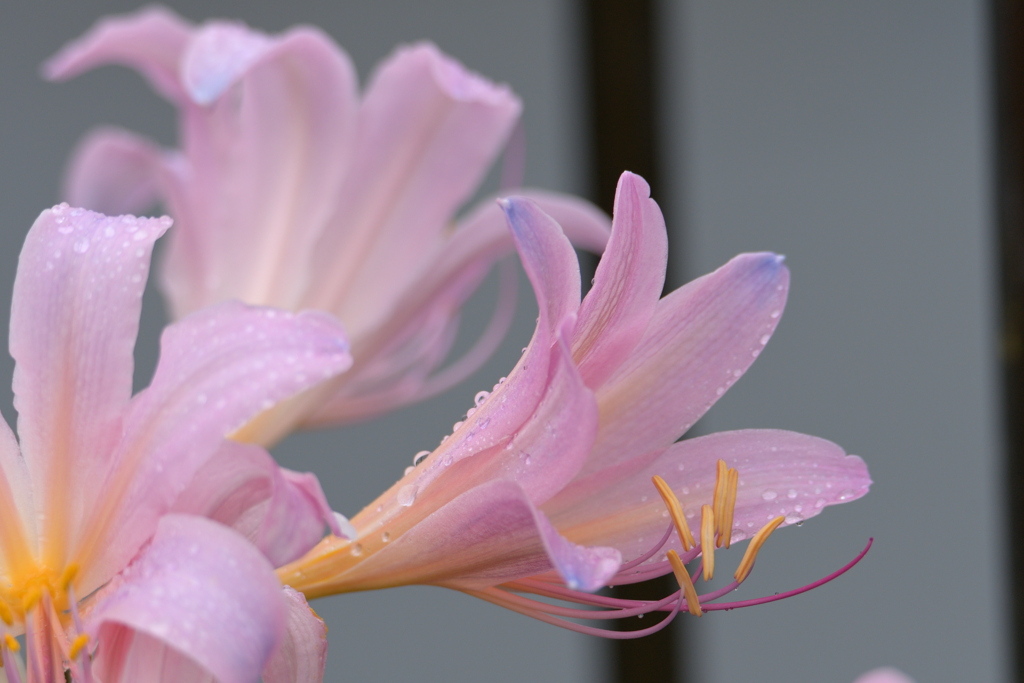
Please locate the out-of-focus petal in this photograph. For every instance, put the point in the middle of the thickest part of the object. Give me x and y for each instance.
(199, 601)
(399, 354)
(487, 536)
(701, 339)
(113, 171)
(627, 285)
(780, 473)
(884, 675)
(265, 162)
(74, 318)
(151, 40)
(217, 369)
(428, 131)
(282, 512)
(302, 655)
(218, 55)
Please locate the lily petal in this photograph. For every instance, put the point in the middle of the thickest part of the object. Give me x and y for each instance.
(460, 264)
(200, 600)
(265, 164)
(428, 131)
(701, 339)
(884, 675)
(627, 285)
(217, 369)
(17, 507)
(74, 318)
(151, 40)
(282, 512)
(542, 456)
(780, 473)
(550, 263)
(113, 171)
(302, 655)
(487, 536)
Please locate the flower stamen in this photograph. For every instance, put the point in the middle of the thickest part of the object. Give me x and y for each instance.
(11, 642)
(747, 563)
(686, 583)
(728, 508)
(80, 641)
(707, 540)
(675, 509)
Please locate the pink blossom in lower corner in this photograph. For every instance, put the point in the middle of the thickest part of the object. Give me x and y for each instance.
(884, 675)
(105, 579)
(568, 476)
(292, 189)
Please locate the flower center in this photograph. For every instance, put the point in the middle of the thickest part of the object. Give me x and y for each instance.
(42, 603)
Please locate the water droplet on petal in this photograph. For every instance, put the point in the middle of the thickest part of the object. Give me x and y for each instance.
(418, 458)
(820, 503)
(776, 314)
(480, 397)
(769, 495)
(455, 427)
(847, 494)
(406, 495)
(791, 494)
(385, 537)
(408, 470)
(356, 550)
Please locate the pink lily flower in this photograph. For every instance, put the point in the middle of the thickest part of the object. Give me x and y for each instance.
(101, 579)
(291, 190)
(546, 487)
(884, 675)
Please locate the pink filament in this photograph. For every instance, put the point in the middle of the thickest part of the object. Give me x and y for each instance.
(510, 596)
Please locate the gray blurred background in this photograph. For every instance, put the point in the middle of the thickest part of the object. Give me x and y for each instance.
(854, 138)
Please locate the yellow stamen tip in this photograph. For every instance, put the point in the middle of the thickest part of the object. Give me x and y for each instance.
(686, 583)
(31, 598)
(747, 563)
(68, 575)
(707, 540)
(675, 509)
(79, 643)
(6, 614)
(12, 644)
(728, 507)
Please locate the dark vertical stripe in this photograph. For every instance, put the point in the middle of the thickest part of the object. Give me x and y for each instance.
(1007, 33)
(621, 57)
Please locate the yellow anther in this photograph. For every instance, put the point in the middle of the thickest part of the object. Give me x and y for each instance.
(707, 540)
(12, 644)
(676, 511)
(31, 598)
(68, 575)
(686, 583)
(6, 614)
(743, 571)
(729, 507)
(76, 646)
(718, 501)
